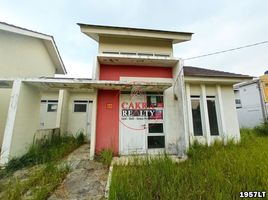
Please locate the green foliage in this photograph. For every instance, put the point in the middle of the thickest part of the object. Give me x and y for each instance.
(105, 156)
(80, 138)
(262, 129)
(39, 185)
(216, 172)
(44, 152)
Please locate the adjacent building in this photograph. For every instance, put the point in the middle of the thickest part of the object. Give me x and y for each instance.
(141, 99)
(251, 99)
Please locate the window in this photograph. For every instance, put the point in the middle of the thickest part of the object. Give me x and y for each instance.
(155, 142)
(80, 107)
(52, 105)
(156, 138)
(156, 128)
(196, 114)
(155, 100)
(212, 115)
(238, 101)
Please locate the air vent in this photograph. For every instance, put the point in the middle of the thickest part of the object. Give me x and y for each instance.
(128, 53)
(161, 55)
(110, 52)
(145, 54)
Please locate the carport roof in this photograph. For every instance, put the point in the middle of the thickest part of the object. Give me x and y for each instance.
(74, 84)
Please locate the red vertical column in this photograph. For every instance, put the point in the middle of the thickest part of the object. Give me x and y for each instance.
(107, 127)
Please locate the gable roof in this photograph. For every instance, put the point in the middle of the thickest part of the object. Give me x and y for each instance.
(94, 31)
(202, 72)
(49, 42)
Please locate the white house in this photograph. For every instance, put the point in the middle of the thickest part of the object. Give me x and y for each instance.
(141, 99)
(252, 102)
(24, 53)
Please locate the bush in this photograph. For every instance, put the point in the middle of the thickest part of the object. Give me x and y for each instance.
(105, 156)
(262, 129)
(80, 138)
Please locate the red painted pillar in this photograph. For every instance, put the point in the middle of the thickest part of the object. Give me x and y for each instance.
(107, 127)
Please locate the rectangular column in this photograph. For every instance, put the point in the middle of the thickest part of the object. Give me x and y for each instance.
(11, 116)
(189, 113)
(22, 122)
(221, 114)
(204, 113)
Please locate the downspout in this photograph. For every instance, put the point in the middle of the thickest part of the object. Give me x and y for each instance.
(263, 107)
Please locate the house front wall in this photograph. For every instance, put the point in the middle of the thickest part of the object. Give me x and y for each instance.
(110, 129)
(134, 45)
(227, 122)
(24, 56)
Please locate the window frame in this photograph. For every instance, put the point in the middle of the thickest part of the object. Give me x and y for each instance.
(197, 97)
(81, 102)
(213, 98)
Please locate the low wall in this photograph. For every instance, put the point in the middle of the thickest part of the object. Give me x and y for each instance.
(46, 134)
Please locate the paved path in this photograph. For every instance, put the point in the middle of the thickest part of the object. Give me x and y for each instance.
(87, 179)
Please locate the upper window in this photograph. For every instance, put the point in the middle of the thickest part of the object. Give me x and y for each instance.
(155, 128)
(52, 105)
(212, 115)
(80, 107)
(155, 101)
(196, 114)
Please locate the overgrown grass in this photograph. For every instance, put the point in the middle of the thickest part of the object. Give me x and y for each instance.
(217, 172)
(48, 151)
(105, 156)
(38, 186)
(262, 129)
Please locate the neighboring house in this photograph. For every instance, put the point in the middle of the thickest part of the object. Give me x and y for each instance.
(141, 99)
(251, 99)
(24, 53)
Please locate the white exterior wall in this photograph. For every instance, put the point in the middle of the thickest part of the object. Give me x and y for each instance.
(4, 104)
(172, 122)
(24, 56)
(250, 114)
(23, 120)
(76, 117)
(231, 120)
(225, 108)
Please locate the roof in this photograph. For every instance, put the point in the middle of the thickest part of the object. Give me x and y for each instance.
(49, 42)
(83, 84)
(94, 31)
(202, 72)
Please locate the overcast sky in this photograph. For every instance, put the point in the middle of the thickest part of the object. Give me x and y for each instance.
(217, 25)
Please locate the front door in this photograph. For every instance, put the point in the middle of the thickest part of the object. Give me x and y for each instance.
(80, 119)
(132, 125)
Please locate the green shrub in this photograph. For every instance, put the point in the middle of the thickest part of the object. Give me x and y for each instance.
(262, 129)
(105, 156)
(80, 138)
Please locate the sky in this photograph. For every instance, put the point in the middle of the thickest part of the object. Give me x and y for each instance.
(217, 25)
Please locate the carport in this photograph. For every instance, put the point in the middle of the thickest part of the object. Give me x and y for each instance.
(22, 120)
